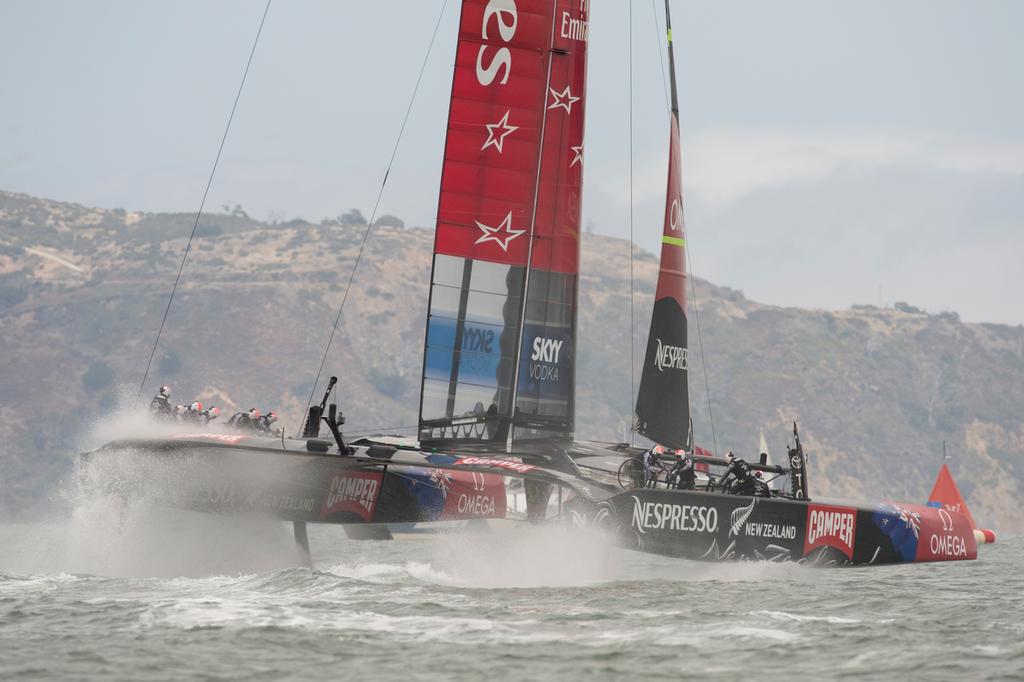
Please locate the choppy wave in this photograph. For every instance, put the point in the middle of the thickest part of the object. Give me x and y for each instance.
(140, 594)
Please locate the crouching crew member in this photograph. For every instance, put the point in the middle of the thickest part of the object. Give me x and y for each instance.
(737, 479)
(682, 475)
(265, 423)
(245, 421)
(761, 488)
(653, 466)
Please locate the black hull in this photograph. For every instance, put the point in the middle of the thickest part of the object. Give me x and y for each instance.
(717, 527)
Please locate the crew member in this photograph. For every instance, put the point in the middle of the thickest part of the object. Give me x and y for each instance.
(652, 466)
(194, 413)
(245, 421)
(682, 475)
(761, 488)
(265, 422)
(160, 406)
(739, 470)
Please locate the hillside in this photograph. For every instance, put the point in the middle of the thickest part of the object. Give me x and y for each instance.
(82, 291)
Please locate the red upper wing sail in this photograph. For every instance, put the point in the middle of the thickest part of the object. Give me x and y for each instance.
(488, 181)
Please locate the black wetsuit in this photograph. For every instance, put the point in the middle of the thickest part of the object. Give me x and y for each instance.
(192, 416)
(242, 422)
(160, 407)
(652, 465)
(739, 470)
(761, 488)
(682, 476)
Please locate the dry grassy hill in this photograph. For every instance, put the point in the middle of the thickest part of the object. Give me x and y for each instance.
(82, 291)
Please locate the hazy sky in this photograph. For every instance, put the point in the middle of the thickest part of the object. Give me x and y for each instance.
(829, 149)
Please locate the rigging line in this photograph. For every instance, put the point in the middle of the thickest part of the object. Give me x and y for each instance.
(700, 344)
(202, 204)
(632, 330)
(661, 57)
(376, 205)
(379, 429)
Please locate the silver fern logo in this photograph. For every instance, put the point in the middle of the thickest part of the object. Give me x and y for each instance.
(739, 517)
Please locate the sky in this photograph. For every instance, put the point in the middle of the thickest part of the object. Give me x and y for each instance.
(833, 153)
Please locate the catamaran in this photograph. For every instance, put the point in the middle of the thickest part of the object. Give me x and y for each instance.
(496, 436)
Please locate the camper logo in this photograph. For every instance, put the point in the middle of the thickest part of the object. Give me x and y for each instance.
(830, 527)
(518, 467)
(353, 492)
(671, 357)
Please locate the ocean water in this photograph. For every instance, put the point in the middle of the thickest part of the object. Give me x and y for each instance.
(143, 593)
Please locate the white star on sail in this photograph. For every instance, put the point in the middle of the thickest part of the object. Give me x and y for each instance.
(497, 132)
(578, 151)
(502, 234)
(563, 99)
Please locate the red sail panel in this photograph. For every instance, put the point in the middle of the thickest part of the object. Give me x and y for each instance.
(672, 274)
(488, 181)
(946, 495)
(546, 378)
(556, 243)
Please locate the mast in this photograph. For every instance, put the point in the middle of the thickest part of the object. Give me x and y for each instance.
(671, 63)
(663, 403)
(499, 346)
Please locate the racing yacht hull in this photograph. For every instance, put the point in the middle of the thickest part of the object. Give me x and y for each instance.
(310, 482)
(718, 527)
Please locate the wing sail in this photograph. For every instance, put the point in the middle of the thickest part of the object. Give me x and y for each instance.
(493, 226)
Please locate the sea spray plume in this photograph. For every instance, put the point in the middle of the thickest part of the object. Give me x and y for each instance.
(510, 555)
(133, 528)
(127, 508)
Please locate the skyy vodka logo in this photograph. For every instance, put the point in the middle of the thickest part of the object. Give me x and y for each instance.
(669, 357)
(544, 365)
